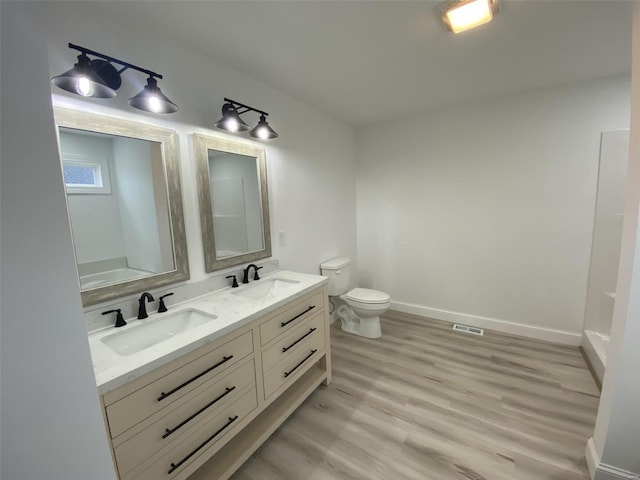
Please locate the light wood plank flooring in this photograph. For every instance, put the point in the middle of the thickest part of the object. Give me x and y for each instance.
(426, 403)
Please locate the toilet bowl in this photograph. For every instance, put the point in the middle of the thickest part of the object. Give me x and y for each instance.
(358, 309)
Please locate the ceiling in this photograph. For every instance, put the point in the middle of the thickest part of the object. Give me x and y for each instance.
(367, 61)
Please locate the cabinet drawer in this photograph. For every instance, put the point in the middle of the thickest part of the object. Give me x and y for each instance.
(291, 316)
(161, 393)
(183, 417)
(286, 346)
(170, 465)
(289, 370)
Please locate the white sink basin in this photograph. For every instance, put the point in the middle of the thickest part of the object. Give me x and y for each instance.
(154, 330)
(269, 287)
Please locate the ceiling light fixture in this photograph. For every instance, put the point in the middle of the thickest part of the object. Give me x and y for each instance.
(232, 122)
(98, 78)
(461, 15)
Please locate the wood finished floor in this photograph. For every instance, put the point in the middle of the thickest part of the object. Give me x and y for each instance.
(425, 403)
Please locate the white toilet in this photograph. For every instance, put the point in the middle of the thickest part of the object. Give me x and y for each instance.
(358, 309)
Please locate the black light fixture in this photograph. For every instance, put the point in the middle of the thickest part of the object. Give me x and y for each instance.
(232, 122)
(100, 79)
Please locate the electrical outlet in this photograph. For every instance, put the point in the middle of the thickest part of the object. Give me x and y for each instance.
(282, 239)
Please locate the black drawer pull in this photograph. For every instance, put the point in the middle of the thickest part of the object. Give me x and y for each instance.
(286, 374)
(171, 392)
(284, 349)
(284, 324)
(175, 466)
(169, 431)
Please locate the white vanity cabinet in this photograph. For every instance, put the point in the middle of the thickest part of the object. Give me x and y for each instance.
(202, 415)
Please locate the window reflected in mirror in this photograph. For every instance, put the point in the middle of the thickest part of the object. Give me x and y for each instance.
(117, 198)
(124, 200)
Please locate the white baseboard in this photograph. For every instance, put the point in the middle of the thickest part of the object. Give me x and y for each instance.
(602, 471)
(540, 333)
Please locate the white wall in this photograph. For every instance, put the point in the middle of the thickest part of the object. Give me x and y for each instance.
(617, 433)
(136, 199)
(51, 426)
(486, 209)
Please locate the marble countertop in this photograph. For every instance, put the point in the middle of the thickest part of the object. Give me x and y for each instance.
(232, 310)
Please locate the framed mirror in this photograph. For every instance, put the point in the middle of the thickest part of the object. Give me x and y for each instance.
(124, 200)
(234, 202)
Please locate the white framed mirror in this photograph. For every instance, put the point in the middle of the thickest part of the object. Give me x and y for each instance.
(124, 200)
(234, 201)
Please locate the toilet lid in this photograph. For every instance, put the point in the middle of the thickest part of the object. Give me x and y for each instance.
(366, 295)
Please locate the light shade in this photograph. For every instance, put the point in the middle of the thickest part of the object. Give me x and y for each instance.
(461, 15)
(151, 99)
(263, 131)
(83, 80)
(231, 120)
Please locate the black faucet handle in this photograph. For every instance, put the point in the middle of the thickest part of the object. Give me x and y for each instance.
(119, 318)
(162, 307)
(256, 277)
(235, 281)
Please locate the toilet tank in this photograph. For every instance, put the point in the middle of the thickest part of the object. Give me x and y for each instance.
(339, 274)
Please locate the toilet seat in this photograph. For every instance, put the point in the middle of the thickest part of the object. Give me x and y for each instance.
(367, 296)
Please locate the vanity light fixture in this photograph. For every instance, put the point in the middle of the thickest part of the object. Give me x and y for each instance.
(100, 79)
(461, 15)
(232, 122)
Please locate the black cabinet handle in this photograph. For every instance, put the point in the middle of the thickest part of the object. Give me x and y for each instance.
(171, 392)
(284, 324)
(169, 431)
(175, 466)
(286, 374)
(311, 330)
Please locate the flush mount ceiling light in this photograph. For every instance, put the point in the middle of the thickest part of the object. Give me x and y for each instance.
(98, 78)
(232, 122)
(461, 15)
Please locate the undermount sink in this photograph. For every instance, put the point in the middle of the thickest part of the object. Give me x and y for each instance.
(154, 330)
(264, 288)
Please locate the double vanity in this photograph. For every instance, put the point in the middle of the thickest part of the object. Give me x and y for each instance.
(193, 392)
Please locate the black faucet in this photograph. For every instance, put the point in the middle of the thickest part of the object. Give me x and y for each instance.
(142, 309)
(245, 279)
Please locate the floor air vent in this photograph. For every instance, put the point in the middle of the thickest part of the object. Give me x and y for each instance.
(467, 329)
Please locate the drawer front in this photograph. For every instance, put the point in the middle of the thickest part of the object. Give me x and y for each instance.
(291, 316)
(161, 393)
(287, 346)
(183, 417)
(288, 371)
(170, 465)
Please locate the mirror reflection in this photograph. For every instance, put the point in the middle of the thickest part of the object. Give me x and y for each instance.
(234, 208)
(117, 199)
(122, 180)
(235, 203)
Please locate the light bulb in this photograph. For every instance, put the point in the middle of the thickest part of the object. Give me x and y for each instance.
(469, 15)
(84, 87)
(232, 125)
(263, 133)
(154, 104)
